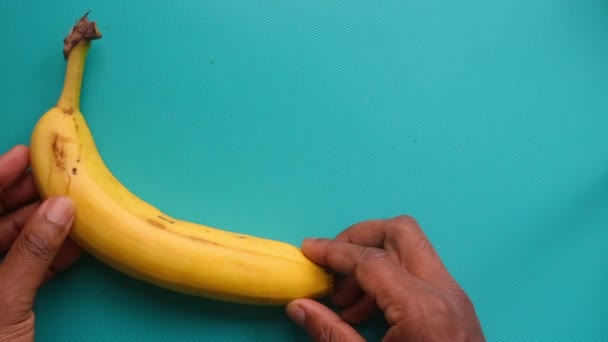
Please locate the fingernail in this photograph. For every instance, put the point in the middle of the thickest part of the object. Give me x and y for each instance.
(297, 314)
(60, 211)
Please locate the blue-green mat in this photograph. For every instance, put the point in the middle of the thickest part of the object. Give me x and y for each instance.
(486, 120)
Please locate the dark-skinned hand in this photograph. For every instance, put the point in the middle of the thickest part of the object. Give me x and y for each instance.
(388, 266)
(33, 240)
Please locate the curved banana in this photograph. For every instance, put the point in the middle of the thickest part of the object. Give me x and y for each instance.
(134, 237)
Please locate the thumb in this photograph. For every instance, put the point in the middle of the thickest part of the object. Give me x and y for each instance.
(30, 257)
(320, 322)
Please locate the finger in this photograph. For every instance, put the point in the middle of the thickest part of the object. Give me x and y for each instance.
(366, 233)
(397, 293)
(320, 322)
(348, 292)
(11, 225)
(377, 274)
(23, 191)
(66, 257)
(27, 261)
(403, 239)
(360, 311)
(12, 165)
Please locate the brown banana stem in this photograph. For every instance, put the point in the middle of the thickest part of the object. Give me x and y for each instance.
(75, 48)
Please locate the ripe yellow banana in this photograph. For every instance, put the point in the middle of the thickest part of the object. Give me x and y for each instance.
(134, 237)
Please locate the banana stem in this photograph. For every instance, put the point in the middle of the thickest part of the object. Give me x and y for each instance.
(70, 96)
(75, 49)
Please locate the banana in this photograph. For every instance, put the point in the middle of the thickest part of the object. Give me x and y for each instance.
(134, 237)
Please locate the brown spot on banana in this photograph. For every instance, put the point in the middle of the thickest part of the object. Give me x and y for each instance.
(58, 152)
(59, 155)
(65, 110)
(67, 185)
(194, 238)
(75, 124)
(74, 171)
(165, 219)
(157, 224)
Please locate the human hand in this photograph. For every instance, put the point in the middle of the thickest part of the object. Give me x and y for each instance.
(33, 236)
(388, 265)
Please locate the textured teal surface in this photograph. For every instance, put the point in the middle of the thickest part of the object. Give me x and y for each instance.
(486, 120)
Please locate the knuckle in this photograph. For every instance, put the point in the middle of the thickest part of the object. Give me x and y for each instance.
(404, 221)
(466, 300)
(329, 334)
(438, 308)
(407, 227)
(404, 224)
(36, 246)
(438, 312)
(441, 314)
(395, 312)
(423, 244)
(463, 299)
(371, 254)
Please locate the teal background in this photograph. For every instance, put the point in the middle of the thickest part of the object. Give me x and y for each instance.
(486, 120)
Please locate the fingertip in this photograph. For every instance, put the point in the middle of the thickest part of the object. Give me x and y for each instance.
(60, 210)
(299, 302)
(310, 240)
(308, 243)
(315, 249)
(296, 313)
(18, 154)
(23, 152)
(321, 322)
(19, 148)
(313, 242)
(305, 305)
(301, 309)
